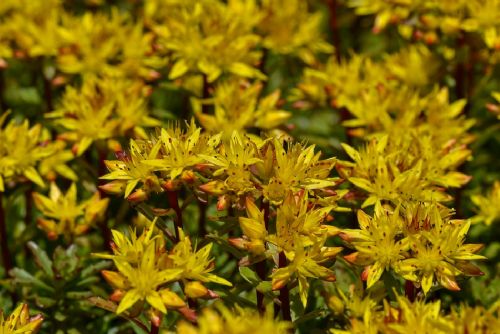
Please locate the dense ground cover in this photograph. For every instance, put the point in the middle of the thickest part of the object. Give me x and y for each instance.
(249, 166)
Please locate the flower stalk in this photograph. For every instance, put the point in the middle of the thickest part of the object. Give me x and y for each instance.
(410, 291)
(284, 292)
(260, 267)
(173, 200)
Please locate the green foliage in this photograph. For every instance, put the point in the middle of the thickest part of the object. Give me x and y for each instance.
(242, 166)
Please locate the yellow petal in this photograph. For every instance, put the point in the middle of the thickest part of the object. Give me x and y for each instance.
(427, 279)
(154, 299)
(171, 299)
(374, 274)
(130, 298)
(179, 69)
(33, 175)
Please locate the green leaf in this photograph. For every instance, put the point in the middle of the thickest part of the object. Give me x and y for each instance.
(78, 294)
(21, 276)
(265, 287)
(311, 315)
(249, 275)
(65, 261)
(95, 268)
(88, 281)
(41, 258)
(223, 243)
(44, 302)
(149, 213)
(235, 299)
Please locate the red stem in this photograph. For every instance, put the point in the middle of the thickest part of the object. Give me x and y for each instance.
(154, 329)
(334, 26)
(410, 291)
(260, 267)
(174, 204)
(3, 104)
(284, 292)
(103, 225)
(28, 196)
(202, 219)
(6, 256)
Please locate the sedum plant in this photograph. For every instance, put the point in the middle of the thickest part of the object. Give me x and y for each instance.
(213, 166)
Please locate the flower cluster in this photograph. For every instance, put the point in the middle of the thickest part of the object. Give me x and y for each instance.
(66, 216)
(223, 320)
(209, 166)
(425, 20)
(145, 266)
(419, 242)
(19, 321)
(420, 317)
(102, 109)
(26, 152)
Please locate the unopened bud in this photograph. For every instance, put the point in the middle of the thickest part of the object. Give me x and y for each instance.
(113, 187)
(195, 290)
(137, 196)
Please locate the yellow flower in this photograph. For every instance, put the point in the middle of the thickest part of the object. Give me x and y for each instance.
(305, 263)
(66, 216)
(484, 17)
(438, 251)
(19, 321)
(296, 168)
(182, 149)
(140, 275)
(375, 171)
(131, 170)
(254, 229)
(414, 65)
(56, 163)
(107, 44)
(238, 107)
(468, 319)
(296, 219)
(31, 27)
(300, 237)
(21, 150)
(416, 317)
(488, 207)
(386, 11)
(101, 109)
(144, 280)
(219, 319)
(234, 161)
(194, 265)
(132, 248)
(289, 28)
(378, 243)
(211, 38)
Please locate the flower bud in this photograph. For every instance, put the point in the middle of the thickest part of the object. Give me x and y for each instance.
(137, 196)
(195, 290)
